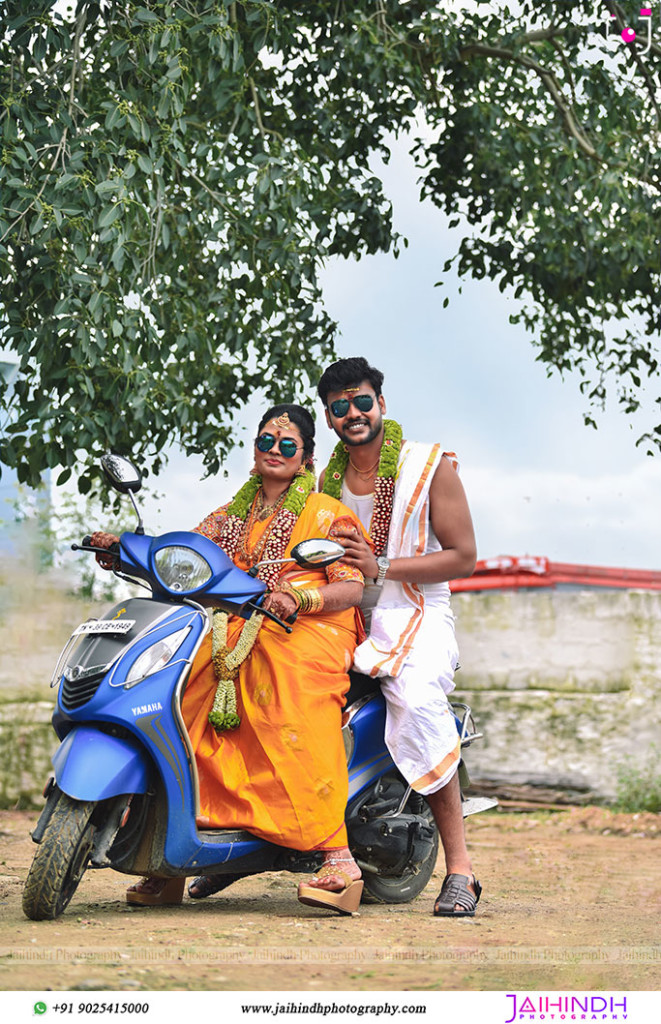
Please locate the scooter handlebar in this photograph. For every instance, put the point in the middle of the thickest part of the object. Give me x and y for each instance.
(274, 618)
(87, 545)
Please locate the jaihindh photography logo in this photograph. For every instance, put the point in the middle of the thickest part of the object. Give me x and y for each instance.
(555, 1007)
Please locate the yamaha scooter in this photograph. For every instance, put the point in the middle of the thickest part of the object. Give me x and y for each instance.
(124, 793)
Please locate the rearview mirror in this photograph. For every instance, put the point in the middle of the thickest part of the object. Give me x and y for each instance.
(121, 473)
(316, 552)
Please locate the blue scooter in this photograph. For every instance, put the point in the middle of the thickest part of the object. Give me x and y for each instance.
(125, 791)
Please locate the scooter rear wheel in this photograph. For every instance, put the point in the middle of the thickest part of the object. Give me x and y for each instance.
(60, 860)
(410, 883)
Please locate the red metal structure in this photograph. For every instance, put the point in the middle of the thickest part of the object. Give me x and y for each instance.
(508, 572)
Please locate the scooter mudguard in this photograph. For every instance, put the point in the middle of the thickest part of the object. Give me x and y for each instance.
(92, 765)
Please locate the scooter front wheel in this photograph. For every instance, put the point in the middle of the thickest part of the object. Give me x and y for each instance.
(60, 860)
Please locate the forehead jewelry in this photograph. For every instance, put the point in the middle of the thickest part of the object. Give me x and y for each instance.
(283, 421)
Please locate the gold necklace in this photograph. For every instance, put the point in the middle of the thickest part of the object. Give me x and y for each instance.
(364, 472)
(263, 511)
(251, 557)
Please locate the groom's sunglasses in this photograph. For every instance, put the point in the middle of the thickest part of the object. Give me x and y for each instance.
(340, 407)
(288, 446)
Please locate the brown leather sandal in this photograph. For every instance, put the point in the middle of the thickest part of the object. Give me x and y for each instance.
(207, 885)
(156, 892)
(455, 893)
(346, 901)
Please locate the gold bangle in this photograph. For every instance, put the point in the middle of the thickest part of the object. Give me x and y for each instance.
(313, 601)
(286, 588)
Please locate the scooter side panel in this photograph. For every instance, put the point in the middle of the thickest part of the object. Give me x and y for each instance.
(370, 757)
(92, 765)
(183, 846)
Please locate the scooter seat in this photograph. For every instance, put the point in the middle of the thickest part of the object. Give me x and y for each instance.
(360, 686)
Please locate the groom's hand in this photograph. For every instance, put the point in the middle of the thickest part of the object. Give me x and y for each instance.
(357, 552)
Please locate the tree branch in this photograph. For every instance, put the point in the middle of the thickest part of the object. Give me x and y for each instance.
(255, 100)
(549, 82)
(263, 131)
(567, 66)
(214, 195)
(552, 86)
(60, 149)
(542, 35)
(80, 25)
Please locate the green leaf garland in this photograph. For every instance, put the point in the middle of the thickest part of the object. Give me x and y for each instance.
(301, 486)
(384, 485)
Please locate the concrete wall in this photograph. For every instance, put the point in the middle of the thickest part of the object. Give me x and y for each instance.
(27, 742)
(37, 617)
(564, 683)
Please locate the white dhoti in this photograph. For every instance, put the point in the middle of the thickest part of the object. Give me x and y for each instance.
(412, 647)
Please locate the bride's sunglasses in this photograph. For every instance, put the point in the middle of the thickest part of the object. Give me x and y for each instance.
(288, 446)
(340, 407)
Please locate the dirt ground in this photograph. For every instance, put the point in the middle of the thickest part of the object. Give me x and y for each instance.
(572, 900)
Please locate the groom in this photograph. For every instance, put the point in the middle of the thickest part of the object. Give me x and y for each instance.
(411, 502)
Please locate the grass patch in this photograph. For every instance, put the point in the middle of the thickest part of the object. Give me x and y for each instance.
(639, 784)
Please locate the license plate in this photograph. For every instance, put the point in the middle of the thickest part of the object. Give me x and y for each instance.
(119, 626)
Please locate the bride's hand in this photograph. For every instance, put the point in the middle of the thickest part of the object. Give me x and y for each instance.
(104, 540)
(282, 605)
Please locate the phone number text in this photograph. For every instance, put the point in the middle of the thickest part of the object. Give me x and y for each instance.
(101, 1007)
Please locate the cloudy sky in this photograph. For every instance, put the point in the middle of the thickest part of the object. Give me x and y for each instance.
(539, 482)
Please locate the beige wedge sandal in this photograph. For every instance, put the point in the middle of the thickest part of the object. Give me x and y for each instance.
(346, 901)
(156, 892)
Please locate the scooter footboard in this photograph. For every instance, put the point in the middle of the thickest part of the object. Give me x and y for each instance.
(93, 765)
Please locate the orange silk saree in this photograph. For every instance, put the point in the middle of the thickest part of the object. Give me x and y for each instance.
(282, 774)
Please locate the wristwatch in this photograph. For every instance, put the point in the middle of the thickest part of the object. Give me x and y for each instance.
(383, 564)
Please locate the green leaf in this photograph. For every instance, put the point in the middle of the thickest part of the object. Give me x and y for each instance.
(118, 257)
(113, 118)
(109, 215)
(64, 180)
(107, 187)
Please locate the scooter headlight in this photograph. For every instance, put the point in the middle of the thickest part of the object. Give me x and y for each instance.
(181, 569)
(155, 657)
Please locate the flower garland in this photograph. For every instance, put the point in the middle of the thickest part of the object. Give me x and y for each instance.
(231, 527)
(384, 485)
(226, 663)
(229, 534)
